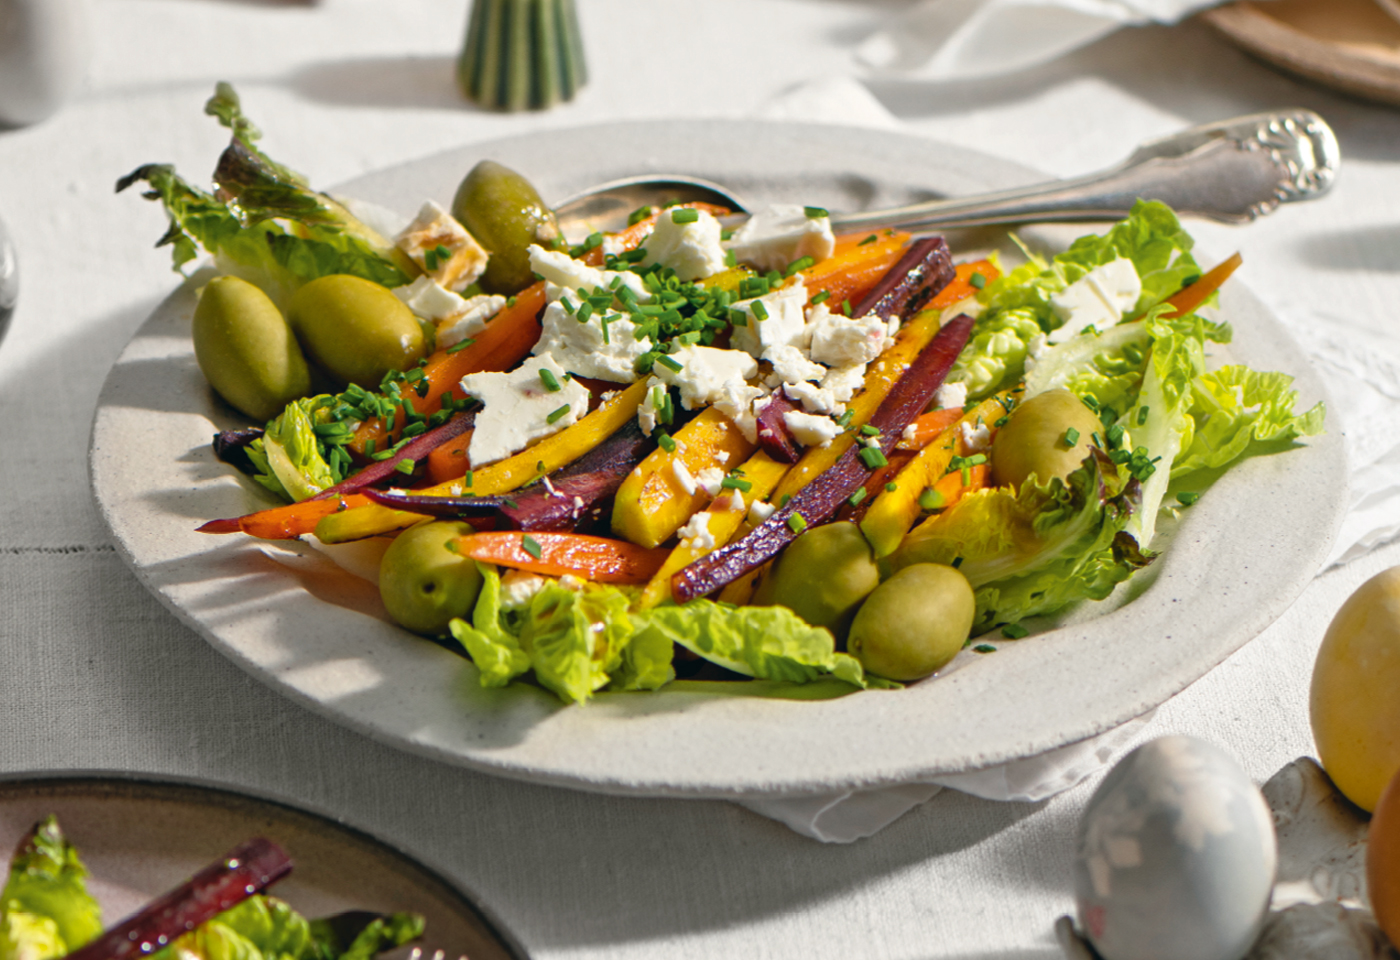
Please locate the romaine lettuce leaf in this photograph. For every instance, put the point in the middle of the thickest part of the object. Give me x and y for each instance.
(266, 928)
(575, 638)
(289, 458)
(1105, 368)
(45, 901)
(496, 652)
(1234, 409)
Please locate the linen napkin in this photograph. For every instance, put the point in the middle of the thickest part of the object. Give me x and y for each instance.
(960, 39)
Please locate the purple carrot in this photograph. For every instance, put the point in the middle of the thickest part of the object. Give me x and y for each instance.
(416, 449)
(774, 437)
(564, 503)
(819, 500)
(231, 446)
(245, 870)
(924, 270)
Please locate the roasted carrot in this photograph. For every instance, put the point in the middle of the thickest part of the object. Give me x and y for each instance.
(554, 554)
(962, 285)
(449, 461)
(1190, 297)
(284, 523)
(851, 275)
(504, 342)
(924, 429)
(950, 487)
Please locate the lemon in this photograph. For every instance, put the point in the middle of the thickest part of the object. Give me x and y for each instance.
(1355, 699)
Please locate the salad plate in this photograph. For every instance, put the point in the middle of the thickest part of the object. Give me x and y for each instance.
(302, 623)
(141, 835)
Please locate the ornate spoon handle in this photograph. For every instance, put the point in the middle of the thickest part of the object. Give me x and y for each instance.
(1232, 171)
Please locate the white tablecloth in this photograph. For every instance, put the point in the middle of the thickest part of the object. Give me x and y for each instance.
(97, 674)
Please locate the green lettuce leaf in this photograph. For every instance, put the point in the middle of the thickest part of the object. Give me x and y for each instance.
(995, 354)
(47, 909)
(1151, 237)
(1234, 409)
(266, 928)
(575, 638)
(496, 652)
(1105, 368)
(273, 230)
(290, 458)
(770, 643)
(380, 934)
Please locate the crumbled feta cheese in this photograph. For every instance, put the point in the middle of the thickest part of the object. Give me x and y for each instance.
(760, 511)
(722, 456)
(910, 434)
(784, 325)
(724, 504)
(1097, 299)
(567, 275)
(709, 375)
(696, 533)
(691, 249)
(434, 227)
(647, 409)
(711, 479)
(472, 321)
(790, 366)
(582, 348)
(781, 233)
(683, 476)
(950, 395)
(840, 341)
(975, 439)
(578, 503)
(835, 391)
(518, 587)
(811, 430)
(517, 407)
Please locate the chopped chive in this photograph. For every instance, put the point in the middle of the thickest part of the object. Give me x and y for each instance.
(430, 260)
(1142, 416)
(759, 311)
(414, 429)
(1115, 434)
(1014, 631)
(846, 307)
(815, 213)
(731, 259)
(930, 500)
(1098, 440)
(461, 345)
(891, 487)
(669, 363)
(468, 478)
(870, 431)
(638, 215)
(404, 466)
(685, 215)
(855, 498)
(870, 239)
(821, 297)
(845, 419)
(556, 415)
(738, 317)
(369, 447)
(957, 562)
(550, 381)
(872, 458)
(510, 303)
(585, 311)
(736, 483)
(977, 280)
(796, 524)
(666, 443)
(985, 648)
(798, 265)
(1186, 498)
(1071, 437)
(1000, 421)
(531, 546)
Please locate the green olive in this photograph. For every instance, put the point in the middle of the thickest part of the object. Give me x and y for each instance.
(823, 576)
(355, 329)
(424, 584)
(1037, 438)
(246, 349)
(503, 212)
(914, 622)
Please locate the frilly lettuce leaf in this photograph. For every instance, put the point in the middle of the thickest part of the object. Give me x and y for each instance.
(995, 354)
(266, 928)
(1106, 368)
(769, 643)
(575, 638)
(273, 230)
(1151, 237)
(1034, 550)
(47, 909)
(290, 459)
(496, 652)
(380, 934)
(1235, 408)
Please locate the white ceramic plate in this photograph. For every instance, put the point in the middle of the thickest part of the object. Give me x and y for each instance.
(318, 635)
(141, 836)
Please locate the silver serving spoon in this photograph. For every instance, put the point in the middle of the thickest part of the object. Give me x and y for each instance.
(1232, 171)
(9, 280)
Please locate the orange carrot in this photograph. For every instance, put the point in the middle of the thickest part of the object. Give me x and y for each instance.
(928, 426)
(592, 558)
(854, 273)
(449, 461)
(501, 345)
(284, 523)
(950, 488)
(1190, 297)
(962, 286)
(632, 236)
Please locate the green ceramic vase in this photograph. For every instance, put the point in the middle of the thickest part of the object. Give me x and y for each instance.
(522, 54)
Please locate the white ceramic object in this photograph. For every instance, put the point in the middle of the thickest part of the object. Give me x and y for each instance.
(140, 836)
(289, 617)
(44, 50)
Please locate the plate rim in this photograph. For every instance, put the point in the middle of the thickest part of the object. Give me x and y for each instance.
(754, 785)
